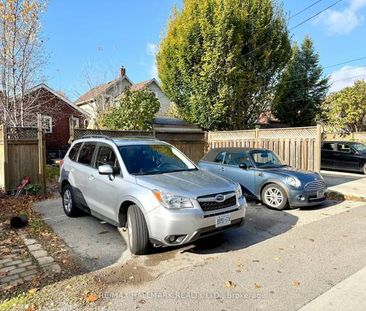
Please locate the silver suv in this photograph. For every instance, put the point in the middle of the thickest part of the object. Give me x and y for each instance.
(150, 188)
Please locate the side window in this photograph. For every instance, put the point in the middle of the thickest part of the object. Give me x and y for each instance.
(344, 148)
(236, 158)
(86, 153)
(106, 155)
(220, 157)
(74, 151)
(329, 146)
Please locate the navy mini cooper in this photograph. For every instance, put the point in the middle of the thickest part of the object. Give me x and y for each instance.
(264, 177)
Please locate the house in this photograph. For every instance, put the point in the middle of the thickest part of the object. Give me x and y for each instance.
(57, 113)
(268, 120)
(100, 97)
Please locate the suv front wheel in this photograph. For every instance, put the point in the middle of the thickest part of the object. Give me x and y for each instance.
(138, 234)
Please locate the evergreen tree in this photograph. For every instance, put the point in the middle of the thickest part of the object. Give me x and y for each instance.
(220, 58)
(302, 87)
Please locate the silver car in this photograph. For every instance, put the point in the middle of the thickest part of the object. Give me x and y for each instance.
(150, 188)
(264, 177)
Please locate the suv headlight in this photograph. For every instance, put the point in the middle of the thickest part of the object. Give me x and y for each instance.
(293, 181)
(239, 192)
(172, 201)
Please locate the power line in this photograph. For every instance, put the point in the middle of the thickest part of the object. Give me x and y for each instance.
(315, 15)
(346, 62)
(305, 9)
(303, 22)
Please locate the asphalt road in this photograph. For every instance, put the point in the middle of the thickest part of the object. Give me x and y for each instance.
(262, 266)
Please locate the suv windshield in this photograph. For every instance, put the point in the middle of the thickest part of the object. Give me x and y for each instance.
(154, 159)
(265, 159)
(360, 147)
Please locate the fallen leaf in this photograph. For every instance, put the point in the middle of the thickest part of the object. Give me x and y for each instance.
(91, 298)
(255, 260)
(296, 283)
(33, 290)
(230, 284)
(256, 285)
(312, 240)
(280, 248)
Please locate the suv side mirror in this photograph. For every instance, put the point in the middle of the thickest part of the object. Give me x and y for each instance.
(105, 169)
(243, 166)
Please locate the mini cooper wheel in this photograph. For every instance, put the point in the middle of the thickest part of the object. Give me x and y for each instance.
(138, 234)
(364, 168)
(274, 197)
(68, 202)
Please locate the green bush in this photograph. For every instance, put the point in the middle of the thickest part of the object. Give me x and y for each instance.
(134, 111)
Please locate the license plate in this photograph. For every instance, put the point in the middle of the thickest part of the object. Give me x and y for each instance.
(223, 220)
(320, 194)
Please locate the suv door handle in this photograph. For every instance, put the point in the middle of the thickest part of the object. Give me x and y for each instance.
(91, 177)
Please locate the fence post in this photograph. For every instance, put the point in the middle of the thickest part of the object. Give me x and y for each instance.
(257, 129)
(5, 157)
(41, 154)
(318, 146)
(71, 131)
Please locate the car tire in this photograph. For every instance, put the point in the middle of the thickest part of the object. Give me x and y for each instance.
(138, 234)
(68, 202)
(274, 197)
(364, 168)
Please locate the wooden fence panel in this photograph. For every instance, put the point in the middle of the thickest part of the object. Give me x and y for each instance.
(24, 162)
(22, 153)
(298, 147)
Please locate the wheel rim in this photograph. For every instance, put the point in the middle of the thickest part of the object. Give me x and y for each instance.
(273, 197)
(129, 229)
(67, 200)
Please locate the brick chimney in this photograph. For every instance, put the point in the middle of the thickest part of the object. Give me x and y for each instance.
(122, 71)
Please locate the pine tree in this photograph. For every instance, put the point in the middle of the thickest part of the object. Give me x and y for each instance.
(302, 87)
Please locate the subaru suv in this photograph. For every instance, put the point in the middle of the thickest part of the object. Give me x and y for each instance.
(149, 188)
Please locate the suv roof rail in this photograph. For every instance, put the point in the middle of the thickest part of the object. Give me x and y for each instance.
(96, 136)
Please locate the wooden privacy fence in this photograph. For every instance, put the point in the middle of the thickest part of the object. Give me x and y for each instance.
(190, 142)
(298, 147)
(22, 153)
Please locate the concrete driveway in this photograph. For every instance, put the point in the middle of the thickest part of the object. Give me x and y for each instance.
(96, 243)
(99, 244)
(350, 184)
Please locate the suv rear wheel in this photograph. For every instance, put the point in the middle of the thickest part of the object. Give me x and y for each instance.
(68, 202)
(274, 197)
(138, 234)
(364, 168)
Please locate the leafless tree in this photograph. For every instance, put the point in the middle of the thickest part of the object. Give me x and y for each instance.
(21, 60)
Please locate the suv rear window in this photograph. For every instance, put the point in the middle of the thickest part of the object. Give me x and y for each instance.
(86, 153)
(74, 151)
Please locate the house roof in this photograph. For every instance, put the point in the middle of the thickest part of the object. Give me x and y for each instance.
(142, 85)
(63, 98)
(98, 90)
(95, 91)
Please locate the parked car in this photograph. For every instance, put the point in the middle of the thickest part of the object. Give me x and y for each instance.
(344, 156)
(264, 177)
(150, 188)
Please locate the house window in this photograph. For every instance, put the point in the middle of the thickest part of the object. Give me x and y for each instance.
(47, 124)
(75, 122)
